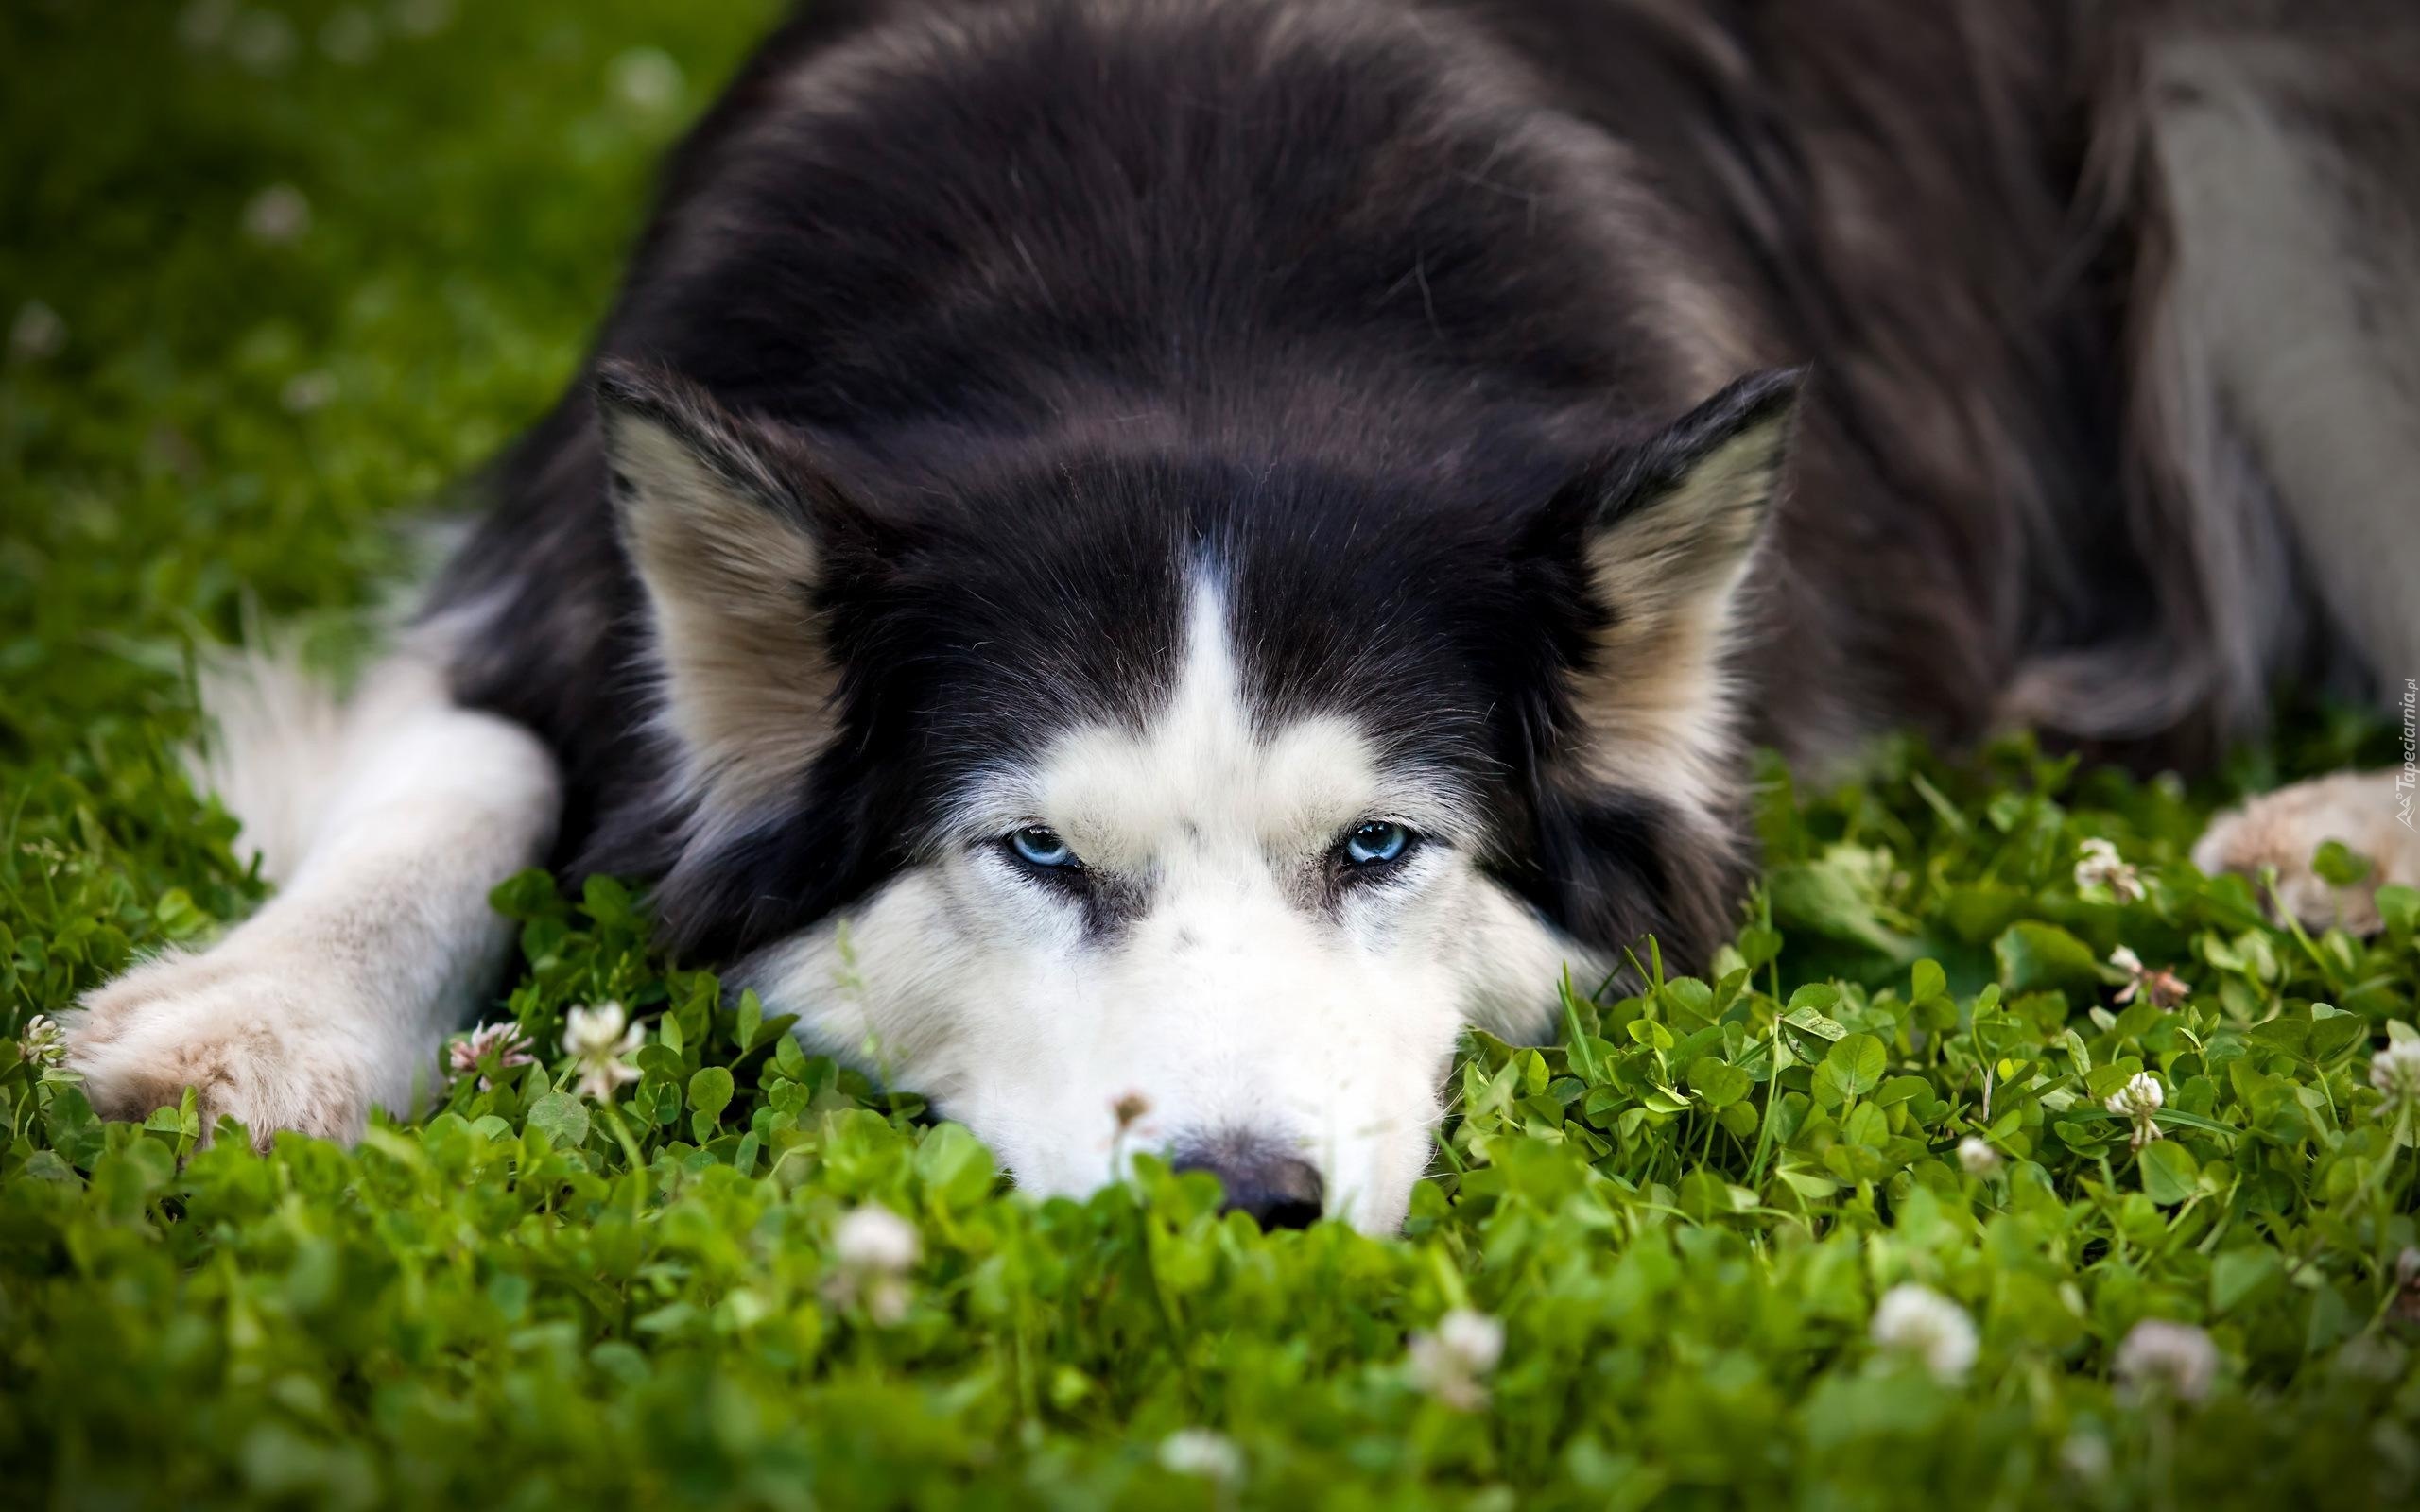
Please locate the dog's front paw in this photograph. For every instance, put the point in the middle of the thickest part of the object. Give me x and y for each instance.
(268, 1037)
(2285, 829)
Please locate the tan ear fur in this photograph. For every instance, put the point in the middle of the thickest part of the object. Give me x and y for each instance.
(748, 682)
(1656, 712)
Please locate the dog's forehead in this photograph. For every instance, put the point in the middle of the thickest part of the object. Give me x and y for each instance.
(1213, 766)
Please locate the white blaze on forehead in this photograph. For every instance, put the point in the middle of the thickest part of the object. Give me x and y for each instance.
(1200, 772)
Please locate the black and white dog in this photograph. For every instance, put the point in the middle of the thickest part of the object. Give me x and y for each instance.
(1197, 547)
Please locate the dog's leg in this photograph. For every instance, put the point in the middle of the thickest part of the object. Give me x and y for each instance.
(2366, 812)
(335, 995)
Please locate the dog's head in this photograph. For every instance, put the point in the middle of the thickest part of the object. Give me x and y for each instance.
(1222, 795)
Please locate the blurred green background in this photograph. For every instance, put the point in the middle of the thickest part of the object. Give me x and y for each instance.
(270, 269)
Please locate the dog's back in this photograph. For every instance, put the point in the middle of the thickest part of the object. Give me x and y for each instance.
(1377, 232)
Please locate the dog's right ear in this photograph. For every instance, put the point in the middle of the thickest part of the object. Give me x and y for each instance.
(732, 531)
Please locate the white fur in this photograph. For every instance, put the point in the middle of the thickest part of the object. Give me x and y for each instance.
(1238, 1001)
(389, 819)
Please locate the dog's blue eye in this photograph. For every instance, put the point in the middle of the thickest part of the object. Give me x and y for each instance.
(1376, 842)
(1038, 847)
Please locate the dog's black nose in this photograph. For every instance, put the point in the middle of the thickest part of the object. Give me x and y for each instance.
(1277, 1188)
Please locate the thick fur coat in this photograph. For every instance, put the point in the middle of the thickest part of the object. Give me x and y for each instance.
(1201, 546)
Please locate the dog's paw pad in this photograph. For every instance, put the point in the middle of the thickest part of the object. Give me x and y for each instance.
(268, 1043)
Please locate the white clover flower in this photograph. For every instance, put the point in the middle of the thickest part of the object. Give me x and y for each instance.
(1476, 1339)
(600, 1042)
(350, 36)
(2142, 1094)
(647, 80)
(1977, 1157)
(1920, 1322)
(1451, 1364)
(308, 391)
(504, 1040)
(2395, 1071)
(872, 1250)
(261, 41)
(874, 1239)
(1199, 1452)
(2138, 1100)
(422, 18)
(2085, 1456)
(41, 1043)
(2406, 1306)
(2174, 1358)
(2098, 865)
(37, 331)
(2162, 989)
(277, 215)
(202, 24)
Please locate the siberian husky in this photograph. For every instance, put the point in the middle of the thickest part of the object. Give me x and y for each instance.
(1195, 548)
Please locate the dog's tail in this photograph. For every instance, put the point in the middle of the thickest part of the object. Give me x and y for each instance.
(280, 737)
(287, 716)
(2257, 157)
(274, 740)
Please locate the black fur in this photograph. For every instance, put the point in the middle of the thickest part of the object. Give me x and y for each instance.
(1063, 297)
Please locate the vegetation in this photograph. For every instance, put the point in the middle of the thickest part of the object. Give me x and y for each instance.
(1916, 1199)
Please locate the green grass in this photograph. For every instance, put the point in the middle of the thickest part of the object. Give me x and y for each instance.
(502, 1306)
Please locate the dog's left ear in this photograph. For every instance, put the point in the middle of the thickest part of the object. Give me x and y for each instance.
(1638, 803)
(1673, 520)
(1668, 528)
(733, 532)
